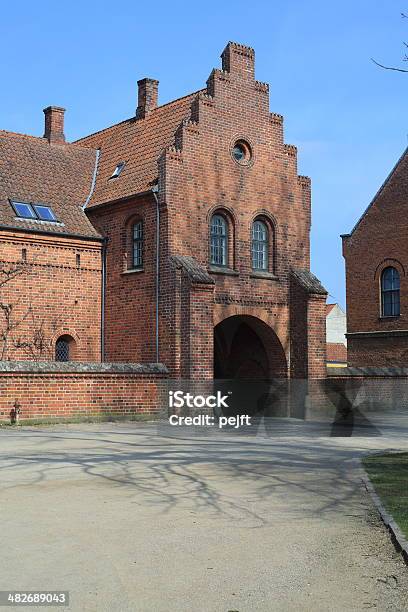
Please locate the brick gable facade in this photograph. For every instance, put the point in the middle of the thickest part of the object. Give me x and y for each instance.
(171, 168)
(378, 242)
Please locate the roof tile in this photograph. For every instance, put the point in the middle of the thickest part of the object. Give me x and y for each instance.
(139, 143)
(60, 176)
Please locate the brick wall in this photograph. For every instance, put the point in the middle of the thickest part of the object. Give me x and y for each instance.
(58, 291)
(379, 240)
(130, 294)
(373, 389)
(70, 391)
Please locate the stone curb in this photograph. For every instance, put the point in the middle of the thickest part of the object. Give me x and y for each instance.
(397, 537)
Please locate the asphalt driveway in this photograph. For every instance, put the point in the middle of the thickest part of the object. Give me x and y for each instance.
(136, 517)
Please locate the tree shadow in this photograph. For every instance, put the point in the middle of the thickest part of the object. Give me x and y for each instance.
(235, 477)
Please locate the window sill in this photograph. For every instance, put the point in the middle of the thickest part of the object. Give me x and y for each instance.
(133, 271)
(388, 317)
(266, 275)
(222, 270)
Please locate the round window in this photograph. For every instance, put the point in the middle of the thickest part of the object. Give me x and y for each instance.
(241, 152)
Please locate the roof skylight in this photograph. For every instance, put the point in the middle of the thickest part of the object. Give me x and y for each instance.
(45, 213)
(117, 170)
(24, 210)
(38, 212)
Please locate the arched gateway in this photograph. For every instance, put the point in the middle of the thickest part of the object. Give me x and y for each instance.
(246, 348)
(250, 364)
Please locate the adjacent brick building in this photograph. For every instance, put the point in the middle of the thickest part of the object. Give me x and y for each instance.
(51, 259)
(181, 235)
(376, 256)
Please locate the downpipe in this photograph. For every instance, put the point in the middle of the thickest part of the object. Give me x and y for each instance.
(155, 191)
(103, 300)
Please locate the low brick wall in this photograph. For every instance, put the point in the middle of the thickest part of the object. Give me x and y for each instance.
(49, 390)
(374, 388)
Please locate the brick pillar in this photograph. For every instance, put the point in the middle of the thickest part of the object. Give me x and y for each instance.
(192, 323)
(201, 332)
(316, 336)
(307, 326)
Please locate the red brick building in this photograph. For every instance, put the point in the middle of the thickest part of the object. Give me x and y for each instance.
(376, 256)
(50, 252)
(180, 235)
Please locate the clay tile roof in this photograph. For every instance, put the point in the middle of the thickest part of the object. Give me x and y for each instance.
(329, 308)
(139, 143)
(60, 176)
(336, 352)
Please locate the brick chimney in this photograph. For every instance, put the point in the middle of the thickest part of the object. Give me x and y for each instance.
(148, 91)
(54, 124)
(239, 59)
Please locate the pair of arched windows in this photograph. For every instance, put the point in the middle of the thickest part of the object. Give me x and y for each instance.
(260, 240)
(390, 292)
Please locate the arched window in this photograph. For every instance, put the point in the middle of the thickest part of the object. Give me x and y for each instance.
(219, 241)
(137, 244)
(260, 245)
(63, 348)
(390, 292)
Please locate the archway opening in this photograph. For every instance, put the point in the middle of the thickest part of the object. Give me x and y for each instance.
(246, 348)
(250, 364)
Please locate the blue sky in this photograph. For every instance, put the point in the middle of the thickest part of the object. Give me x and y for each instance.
(348, 117)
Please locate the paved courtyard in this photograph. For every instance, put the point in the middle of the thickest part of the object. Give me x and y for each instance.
(147, 518)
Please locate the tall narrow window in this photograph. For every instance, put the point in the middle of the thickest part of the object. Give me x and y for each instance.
(260, 245)
(137, 234)
(390, 292)
(219, 241)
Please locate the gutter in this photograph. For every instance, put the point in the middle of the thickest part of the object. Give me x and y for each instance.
(383, 333)
(95, 172)
(27, 230)
(155, 191)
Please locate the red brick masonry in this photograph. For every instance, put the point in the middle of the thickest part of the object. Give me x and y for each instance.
(47, 390)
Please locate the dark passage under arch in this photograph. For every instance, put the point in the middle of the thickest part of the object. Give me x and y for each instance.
(246, 348)
(250, 365)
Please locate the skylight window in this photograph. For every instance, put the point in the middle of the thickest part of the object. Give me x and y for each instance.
(38, 212)
(45, 213)
(24, 210)
(117, 170)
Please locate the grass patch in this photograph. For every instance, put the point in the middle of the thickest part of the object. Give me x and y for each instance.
(389, 475)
